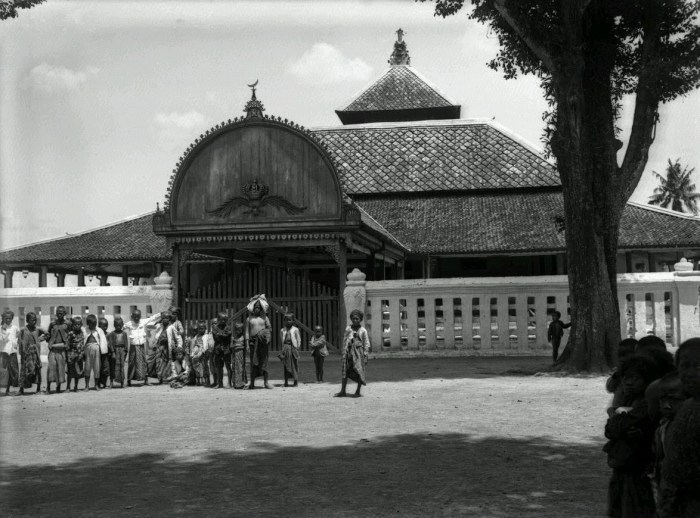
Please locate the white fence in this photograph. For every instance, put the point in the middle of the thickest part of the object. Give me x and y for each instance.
(511, 315)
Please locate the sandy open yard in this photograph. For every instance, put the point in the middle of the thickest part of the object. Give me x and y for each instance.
(431, 437)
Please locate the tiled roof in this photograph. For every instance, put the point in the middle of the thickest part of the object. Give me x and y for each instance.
(511, 222)
(127, 240)
(434, 156)
(377, 227)
(401, 87)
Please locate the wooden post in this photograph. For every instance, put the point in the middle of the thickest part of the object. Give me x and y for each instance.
(176, 275)
(401, 270)
(370, 266)
(60, 279)
(651, 258)
(628, 262)
(8, 278)
(103, 279)
(81, 276)
(43, 274)
(125, 275)
(342, 277)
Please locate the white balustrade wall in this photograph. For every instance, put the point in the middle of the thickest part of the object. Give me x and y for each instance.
(510, 316)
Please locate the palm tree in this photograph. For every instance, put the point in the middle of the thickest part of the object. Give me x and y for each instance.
(676, 190)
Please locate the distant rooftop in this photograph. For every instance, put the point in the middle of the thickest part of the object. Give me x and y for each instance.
(400, 94)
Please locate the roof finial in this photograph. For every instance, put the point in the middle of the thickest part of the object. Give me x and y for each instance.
(254, 108)
(400, 55)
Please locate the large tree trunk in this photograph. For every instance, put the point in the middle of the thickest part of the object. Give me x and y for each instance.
(585, 146)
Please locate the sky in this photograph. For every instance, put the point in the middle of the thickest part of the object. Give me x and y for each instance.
(99, 99)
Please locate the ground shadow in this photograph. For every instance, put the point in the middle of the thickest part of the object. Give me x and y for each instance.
(404, 475)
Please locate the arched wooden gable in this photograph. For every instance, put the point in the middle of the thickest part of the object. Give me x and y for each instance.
(253, 174)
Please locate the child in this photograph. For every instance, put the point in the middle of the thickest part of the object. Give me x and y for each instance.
(58, 341)
(199, 356)
(188, 344)
(257, 339)
(75, 351)
(555, 333)
(631, 433)
(94, 339)
(29, 349)
(671, 395)
(166, 339)
(9, 349)
(319, 351)
(222, 349)
(105, 355)
(118, 343)
(680, 471)
(238, 356)
(625, 351)
(291, 341)
(180, 373)
(355, 352)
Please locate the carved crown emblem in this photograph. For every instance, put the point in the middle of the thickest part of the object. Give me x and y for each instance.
(256, 197)
(255, 190)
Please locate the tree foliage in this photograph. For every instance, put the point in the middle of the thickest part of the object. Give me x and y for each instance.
(675, 189)
(9, 8)
(588, 55)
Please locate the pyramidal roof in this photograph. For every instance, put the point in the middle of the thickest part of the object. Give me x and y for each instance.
(400, 94)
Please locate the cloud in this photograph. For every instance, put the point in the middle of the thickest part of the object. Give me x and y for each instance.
(325, 64)
(49, 79)
(178, 128)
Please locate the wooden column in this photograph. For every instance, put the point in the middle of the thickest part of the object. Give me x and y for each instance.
(43, 274)
(8, 278)
(81, 277)
(628, 262)
(60, 279)
(651, 258)
(176, 275)
(371, 273)
(103, 279)
(401, 269)
(383, 262)
(125, 275)
(342, 277)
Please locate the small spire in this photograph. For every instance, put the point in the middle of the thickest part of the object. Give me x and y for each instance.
(254, 108)
(400, 55)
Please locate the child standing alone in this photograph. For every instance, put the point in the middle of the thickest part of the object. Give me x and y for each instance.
(319, 351)
(555, 333)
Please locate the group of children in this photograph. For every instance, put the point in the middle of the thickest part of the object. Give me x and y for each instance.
(653, 430)
(158, 347)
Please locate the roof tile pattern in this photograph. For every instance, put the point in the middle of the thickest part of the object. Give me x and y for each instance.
(510, 222)
(400, 88)
(128, 240)
(433, 157)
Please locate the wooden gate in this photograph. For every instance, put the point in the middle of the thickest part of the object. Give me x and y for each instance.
(312, 303)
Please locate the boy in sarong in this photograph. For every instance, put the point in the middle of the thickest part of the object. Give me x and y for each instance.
(9, 349)
(105, 355)
(94, 340)
(238, 353)
(257, 336)
(30, 355)
(356, 348)
(291, 342)
(75, 352)
(319, 350)
(136, 331)
(58, 342)
(199, 355)
(118, 343)
(221, 333)
(180, 370)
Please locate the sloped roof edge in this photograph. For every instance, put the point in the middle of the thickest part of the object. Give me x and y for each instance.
(661, 210)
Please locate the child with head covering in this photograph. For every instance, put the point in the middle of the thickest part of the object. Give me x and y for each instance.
(199, 357)
(29, 349)
(105, 355)
(258, 332)
(356, 348)
(291, 342)
(319, 350)
(221, 332)
(118, 341)
(625, 351)
(180, 373)
(680, 471)
(9, 350)
(58, 342)
(94, 340)
(75, 352)
(238, 354)
(631, 432)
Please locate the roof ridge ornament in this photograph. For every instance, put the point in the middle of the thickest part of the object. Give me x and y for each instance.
(400, 55)
(254, 108)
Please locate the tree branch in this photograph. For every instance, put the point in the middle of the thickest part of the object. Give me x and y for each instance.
(645, 107)
(535, 44)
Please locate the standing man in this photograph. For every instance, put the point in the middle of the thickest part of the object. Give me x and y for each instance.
(258, 332)
(9, 351)
(222, 349)
(58, 343)
(136, 331)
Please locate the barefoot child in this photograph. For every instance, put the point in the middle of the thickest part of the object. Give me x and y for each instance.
(180, 373)
(75, 351)
(118, 342)
(9, 349)
(257, 337)
(555, 334)
(94, 339)
(238, 353)
(319, 351)
(29, 349)
(222, 349)
(105, 355)
(199, 355)
(58, 341)
(355, 352)
(291, 341)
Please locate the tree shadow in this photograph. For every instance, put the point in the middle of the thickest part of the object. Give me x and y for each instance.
(447, 474)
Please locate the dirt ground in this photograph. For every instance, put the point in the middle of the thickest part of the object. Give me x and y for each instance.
(431, 437)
